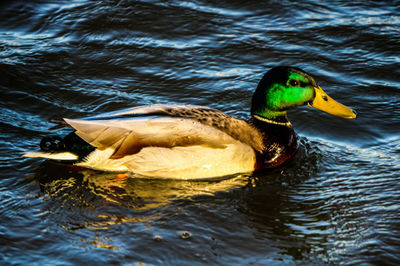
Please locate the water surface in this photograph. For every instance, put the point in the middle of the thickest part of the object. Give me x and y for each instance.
(336, 202)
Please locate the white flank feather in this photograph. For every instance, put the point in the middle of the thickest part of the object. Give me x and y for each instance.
(193, 162)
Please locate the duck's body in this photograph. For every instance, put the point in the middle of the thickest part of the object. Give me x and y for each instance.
(187, 142)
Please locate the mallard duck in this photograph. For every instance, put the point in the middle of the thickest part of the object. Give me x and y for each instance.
(194, 142)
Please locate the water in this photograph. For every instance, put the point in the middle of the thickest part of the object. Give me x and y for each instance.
(337, 202)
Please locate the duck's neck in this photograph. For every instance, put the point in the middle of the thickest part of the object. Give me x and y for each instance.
(260, 110)
(279, 138)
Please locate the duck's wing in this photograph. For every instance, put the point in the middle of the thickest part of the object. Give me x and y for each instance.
(237, 128)
(130, 130)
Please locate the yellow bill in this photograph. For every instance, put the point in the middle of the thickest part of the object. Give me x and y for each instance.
(325, 103)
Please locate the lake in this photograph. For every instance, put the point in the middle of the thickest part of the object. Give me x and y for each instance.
(336, 202)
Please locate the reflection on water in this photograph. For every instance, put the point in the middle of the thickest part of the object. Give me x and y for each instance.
(128, 191)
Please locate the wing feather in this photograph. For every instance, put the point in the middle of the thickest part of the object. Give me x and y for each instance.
(129, 137)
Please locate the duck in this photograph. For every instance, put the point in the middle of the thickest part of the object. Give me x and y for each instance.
(192, 142)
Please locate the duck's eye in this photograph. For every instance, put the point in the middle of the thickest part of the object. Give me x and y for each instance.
(293, 83)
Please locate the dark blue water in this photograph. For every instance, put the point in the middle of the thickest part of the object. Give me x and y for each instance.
(337, 202)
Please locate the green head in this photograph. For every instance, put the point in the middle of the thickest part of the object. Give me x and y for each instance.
(284, 87)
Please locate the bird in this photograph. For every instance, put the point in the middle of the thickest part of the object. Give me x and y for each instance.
(192, 142)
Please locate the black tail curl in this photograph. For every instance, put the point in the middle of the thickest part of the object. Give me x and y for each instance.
(52, 144)
(70, 143)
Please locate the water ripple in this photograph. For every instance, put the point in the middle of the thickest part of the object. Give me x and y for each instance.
(336, 202)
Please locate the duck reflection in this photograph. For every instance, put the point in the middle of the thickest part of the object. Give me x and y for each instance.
(89, 188)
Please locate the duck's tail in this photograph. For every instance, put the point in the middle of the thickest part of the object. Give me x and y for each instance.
(69, 148)
(58, 156)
